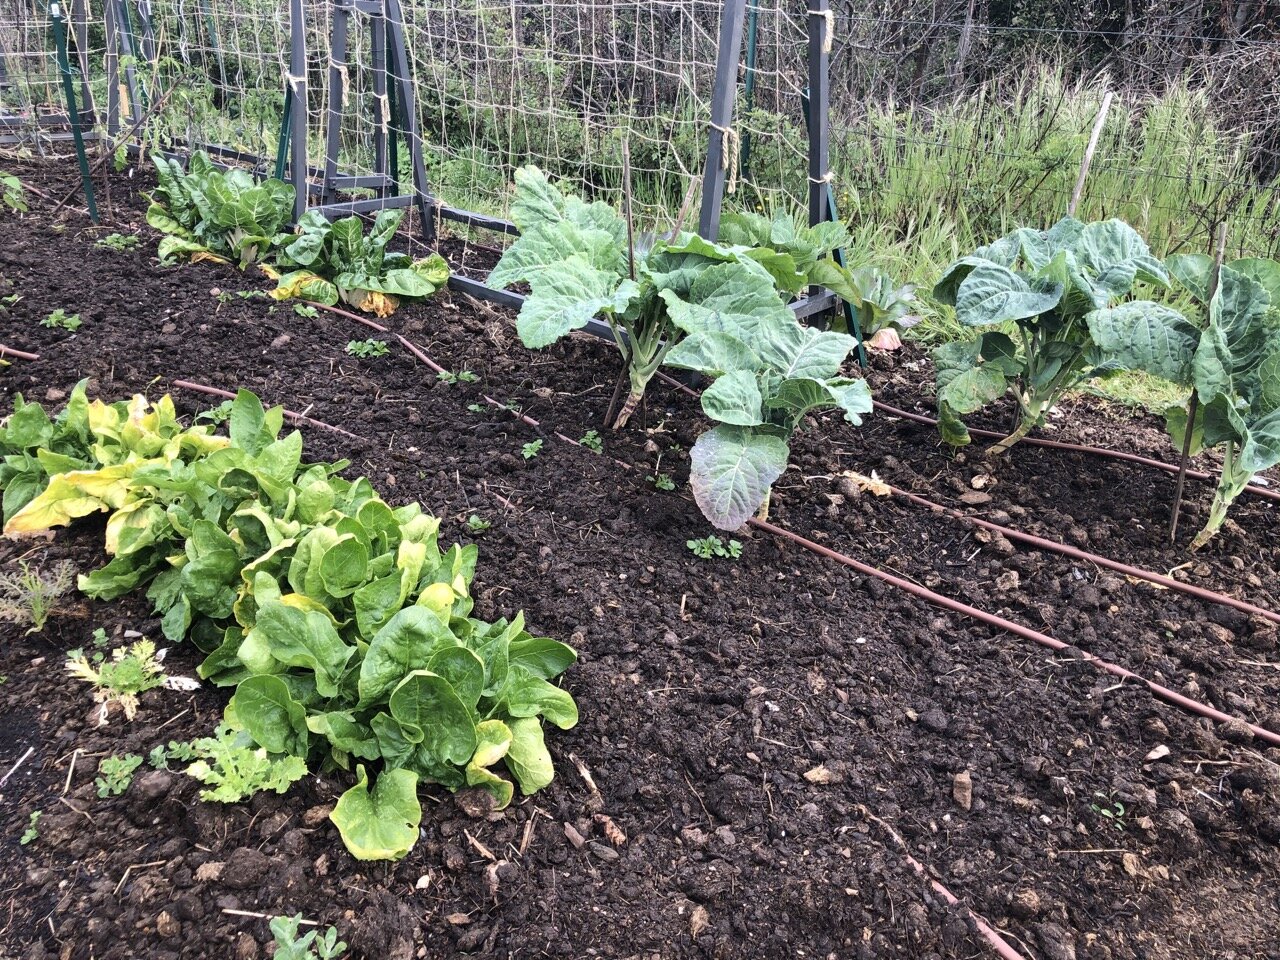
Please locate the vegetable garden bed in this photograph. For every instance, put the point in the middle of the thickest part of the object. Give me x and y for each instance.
(749, 725)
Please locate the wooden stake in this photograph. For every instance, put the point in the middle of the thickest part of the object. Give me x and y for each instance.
(1219, 254)
(1088, 154)
(626, 207)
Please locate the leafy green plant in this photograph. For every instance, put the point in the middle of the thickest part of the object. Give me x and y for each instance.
(451, 378)
(477, 524)
(592, 441)
(234, 768)
(708, 548)
(310, 946)
(12, 193)
(9, 301)
(61, 320)
(306, 310)
(118, 242)
(1232, 363)
(121, 678)
(769, 370)
(32, 833)
(1062, 292)
(577, 260)
(367, 348)
(343, 626)
(209, 214)
(216, 415)
(179, 750)
(662, 481)
(31, 595)
(336, 261)
(116, 773)
(531, 449)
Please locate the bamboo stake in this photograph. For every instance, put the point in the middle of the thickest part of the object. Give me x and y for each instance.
(1219, 254)
(1088, 154)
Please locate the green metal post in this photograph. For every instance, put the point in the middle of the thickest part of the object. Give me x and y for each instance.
(749, 85)
(73, 110)
(282, 142)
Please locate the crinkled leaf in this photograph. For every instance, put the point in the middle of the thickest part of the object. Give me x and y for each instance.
(732, 470)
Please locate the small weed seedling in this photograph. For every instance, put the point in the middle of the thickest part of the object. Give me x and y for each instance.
(216, 415)
(305, 310)
(663, 481)
(591, 440)
(12, 193)
(32, 832)
(179, 750)
(367, 348)
(709, 547)
(476, 407)
(130, 671)
(235, 768)
(310, 946)
(116, 774)
(61, 320)
(9, 301)
(118, 242)
(1112, 809)
(31, 595)
(462, 376)
(531, 450)
(478, 524)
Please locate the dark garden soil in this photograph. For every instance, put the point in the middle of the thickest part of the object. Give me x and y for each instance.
(708, 689)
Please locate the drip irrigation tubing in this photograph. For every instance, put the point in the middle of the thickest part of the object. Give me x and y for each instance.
(295, 417)
(1041, 543)
(20, 354)
(1043, 639)
(1253, 488)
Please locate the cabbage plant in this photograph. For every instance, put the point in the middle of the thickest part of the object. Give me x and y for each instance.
(210, 214)
(769, 370)
(1050, 304)
(1232, 362)
(574, 256)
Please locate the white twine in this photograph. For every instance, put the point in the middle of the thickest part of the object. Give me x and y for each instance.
(729, 156)
(829, 32)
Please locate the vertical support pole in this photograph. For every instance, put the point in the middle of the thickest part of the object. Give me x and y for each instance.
(820, 30)
(73, 111)
(282, 140)
(749, 84)
(381, 123)
(112, 34)
(124, 41)
(337, 95)
(297, 81)
(1094, 135)
(719, 150)
(402, 77)
(80, 30)
(393, 125)
(216, 43)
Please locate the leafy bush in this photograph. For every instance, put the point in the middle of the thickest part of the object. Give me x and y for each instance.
(1061, 291)
(209, 214)
(1232, 361)
(344, 628)
(337, 260)
(574, 257)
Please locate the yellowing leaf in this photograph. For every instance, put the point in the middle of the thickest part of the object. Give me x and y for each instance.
(438, 598)
(872, 484)
(206, 257)
(72, 495)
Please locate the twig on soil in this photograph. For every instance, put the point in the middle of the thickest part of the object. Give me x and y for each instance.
(173, 718)
(14, 769)
(136, 866)
(70, 771)
(71, 806)
(264, 916)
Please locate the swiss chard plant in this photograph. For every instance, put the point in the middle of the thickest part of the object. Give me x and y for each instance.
(332, 261)
(344, 628)
(210, 214)
(1232, 363)
(575, 258)
(769, 371)
(1047, 302)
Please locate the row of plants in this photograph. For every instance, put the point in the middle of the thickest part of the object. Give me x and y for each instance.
(1056, 308)
(230, 217)
(343, 628)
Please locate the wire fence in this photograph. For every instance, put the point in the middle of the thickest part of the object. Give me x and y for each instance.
(967, 116)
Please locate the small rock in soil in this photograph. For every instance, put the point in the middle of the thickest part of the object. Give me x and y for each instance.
(962, 790)
(154, 784)
(935, 721)
(317, 815)
(1024, 904)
